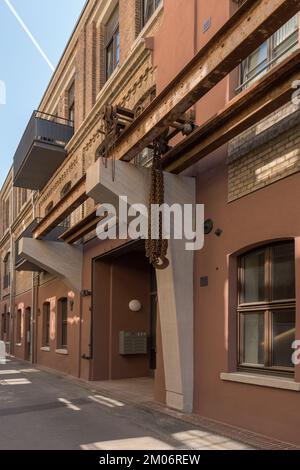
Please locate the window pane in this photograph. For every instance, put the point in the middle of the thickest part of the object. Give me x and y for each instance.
(283, 337)
(256, 63)
(286, 30)
(109, 60)
(64, 322)
(253, 338)
(283, 271)
(117, 39)
(254, 277)
(148, 10)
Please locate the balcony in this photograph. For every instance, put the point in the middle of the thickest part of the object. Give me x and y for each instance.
(41, 150)
(21, 263)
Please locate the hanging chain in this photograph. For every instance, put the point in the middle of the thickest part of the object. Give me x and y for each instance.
(157, 248)
(110, 120)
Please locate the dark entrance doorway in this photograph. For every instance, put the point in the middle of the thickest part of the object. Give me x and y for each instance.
(124, 338)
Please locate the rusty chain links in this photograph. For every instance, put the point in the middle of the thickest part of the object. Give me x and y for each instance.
(156, 248)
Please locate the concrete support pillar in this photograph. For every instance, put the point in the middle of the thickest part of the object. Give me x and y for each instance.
(56, 258)
(175, 284)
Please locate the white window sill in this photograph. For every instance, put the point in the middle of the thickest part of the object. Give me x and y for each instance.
(62, 351)
(45, 348)
(284, 383)
(18, 345)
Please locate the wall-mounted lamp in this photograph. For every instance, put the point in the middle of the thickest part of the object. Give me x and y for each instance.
(71, 297)
(135, 305)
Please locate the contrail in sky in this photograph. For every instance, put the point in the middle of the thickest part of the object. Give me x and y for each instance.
(23, 25)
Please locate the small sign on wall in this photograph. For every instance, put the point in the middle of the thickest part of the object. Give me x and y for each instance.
(206, 25)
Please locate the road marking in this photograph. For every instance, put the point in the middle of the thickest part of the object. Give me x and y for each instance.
(69, 404)
(109, 402)
(9, 372)
(15, 382)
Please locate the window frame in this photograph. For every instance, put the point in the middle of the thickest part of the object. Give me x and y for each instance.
(114, 41)
(46, 324)
(272, 59)
(71, 103)
(144, 19)
(266, 307)
(6, 271)
(19, 326)
(62, 324)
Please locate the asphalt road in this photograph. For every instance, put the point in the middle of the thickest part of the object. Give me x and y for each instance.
(42, 411)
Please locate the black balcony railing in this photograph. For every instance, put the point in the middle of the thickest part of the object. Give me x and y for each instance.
(41, 150)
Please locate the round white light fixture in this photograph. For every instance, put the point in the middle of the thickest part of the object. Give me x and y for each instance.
(135, 305)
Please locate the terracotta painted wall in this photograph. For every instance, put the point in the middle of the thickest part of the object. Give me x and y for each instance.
(217, 13)
(181, 35)
(68, 363)
(268, 214)
(175, 42)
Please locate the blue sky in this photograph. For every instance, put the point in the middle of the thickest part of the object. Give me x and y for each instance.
(22, 68)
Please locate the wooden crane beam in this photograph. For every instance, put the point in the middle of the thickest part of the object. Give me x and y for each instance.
(248, 108)
(250, 26)
(253, 23)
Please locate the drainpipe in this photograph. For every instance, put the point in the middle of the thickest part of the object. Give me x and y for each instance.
(80, 334)
(196, 37)
(12, 277)
(33, 315)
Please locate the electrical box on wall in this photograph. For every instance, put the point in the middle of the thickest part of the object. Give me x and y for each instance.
(131, 342)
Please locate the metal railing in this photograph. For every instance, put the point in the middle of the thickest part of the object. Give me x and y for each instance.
(45, 128)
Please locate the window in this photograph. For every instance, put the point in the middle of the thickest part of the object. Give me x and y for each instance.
(19, 326)
(65, 189)
(6, 271)
(112, 43)
(49, 208)
(46, 324)
(148, 8)
(3, 325)
(62, 324)
(270, 53)
(6, 214)
(21, 198)
(71, 104)
(266, 307)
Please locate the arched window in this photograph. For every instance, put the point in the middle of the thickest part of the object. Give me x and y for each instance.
(49, 208)
(266, 307)
(65, 189)
(62, 324)
(6, 271)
